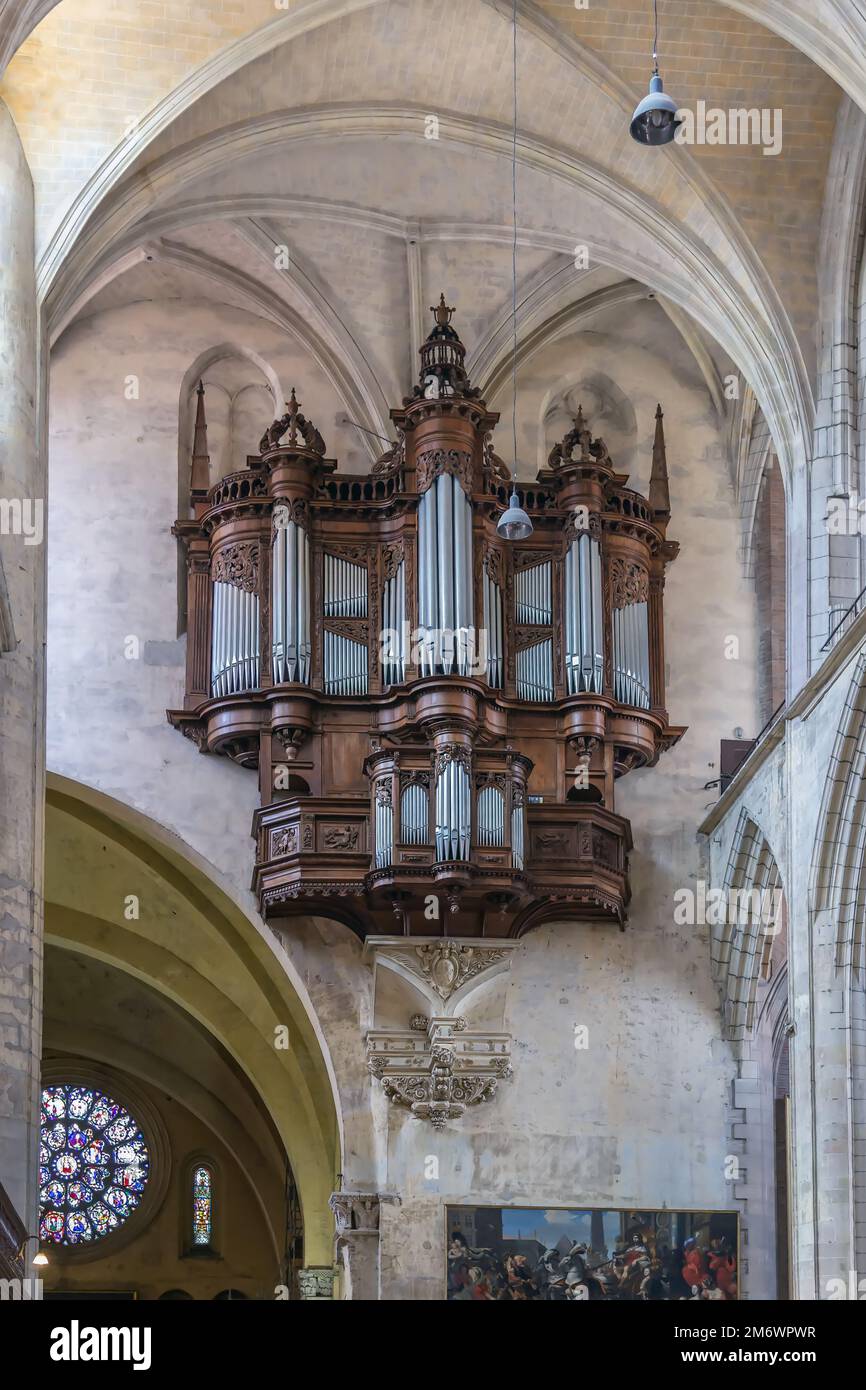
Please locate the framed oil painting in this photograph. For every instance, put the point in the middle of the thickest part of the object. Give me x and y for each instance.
(561, 1255)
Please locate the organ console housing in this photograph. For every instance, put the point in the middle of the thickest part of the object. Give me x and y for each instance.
(438, 716)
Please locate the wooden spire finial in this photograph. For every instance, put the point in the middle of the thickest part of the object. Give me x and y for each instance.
(659, 490)
(200, 471)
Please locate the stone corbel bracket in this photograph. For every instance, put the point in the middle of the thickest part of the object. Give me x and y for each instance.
(438, 1066)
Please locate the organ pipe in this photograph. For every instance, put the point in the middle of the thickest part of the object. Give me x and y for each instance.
(445, 597)
(517, 837)
(393, 619)
(491, 816)
(384, 826)
(532, 588)
(291, 604)
(234, 641)
(414, 815)
(493, 629)
(346, 665)
(631, 664)
(535, 672)
(453, 810)
(584, 632)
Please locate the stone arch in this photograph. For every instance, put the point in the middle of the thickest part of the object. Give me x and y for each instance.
(193, 942)
(742, 948)
(834, 1036)
(749, 961)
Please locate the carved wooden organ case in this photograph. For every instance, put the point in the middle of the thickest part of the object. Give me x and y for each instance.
(438, 716)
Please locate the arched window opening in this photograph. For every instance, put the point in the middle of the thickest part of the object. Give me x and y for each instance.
(590, 795)
(202, 1208)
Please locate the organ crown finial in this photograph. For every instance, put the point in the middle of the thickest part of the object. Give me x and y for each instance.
(301, 431)
(659, 489)
(441, 311)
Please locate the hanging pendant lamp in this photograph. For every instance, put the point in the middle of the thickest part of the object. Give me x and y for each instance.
(514, 524)
(655, 119)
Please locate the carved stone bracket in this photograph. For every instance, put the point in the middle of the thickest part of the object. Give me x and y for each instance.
(439, 1074)
(439, 1064)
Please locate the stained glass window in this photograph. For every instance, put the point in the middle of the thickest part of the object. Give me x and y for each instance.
(202, 1206)
(93, 1165)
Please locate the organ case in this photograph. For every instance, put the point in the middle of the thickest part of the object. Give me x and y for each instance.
(437, 715)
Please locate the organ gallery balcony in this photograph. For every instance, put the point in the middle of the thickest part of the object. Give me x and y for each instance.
(438, 716)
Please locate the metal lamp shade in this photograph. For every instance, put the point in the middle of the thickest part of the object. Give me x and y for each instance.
(514, 524)
(655, 119)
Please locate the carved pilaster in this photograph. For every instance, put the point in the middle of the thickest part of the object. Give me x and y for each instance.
(356, 1240)
(198, 638)
(316, 1283)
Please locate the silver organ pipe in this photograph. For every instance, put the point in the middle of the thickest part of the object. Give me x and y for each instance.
(453, 811)
(445, 597)
(535, 672)
(493, 629)
(518, 837)
(346, 661)
(631, 667)
(584, 631)
(393, 618)
(234, 640)
(491, 816)
(384, 825)
(346, 665)
(345, 588)
(532, 595)
(291, 604)
(414, 815)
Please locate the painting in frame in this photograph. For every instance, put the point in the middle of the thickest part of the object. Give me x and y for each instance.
(500, 1254)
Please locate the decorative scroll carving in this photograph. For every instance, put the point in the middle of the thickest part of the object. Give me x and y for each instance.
(291, 509)
(392, 559)
(383, 792)
(421, 778)
(301, 431)
(197, 734)
(494, 564)
(629, 583)
(432, 462)
(355, 628)
(238, 565)
(313, 888)
(454, 753)
(358, 554)
(491, 779)
(392, 459)
(529, 636)
(497, 472)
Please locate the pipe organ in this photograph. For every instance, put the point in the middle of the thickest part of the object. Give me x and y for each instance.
(432, 710)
